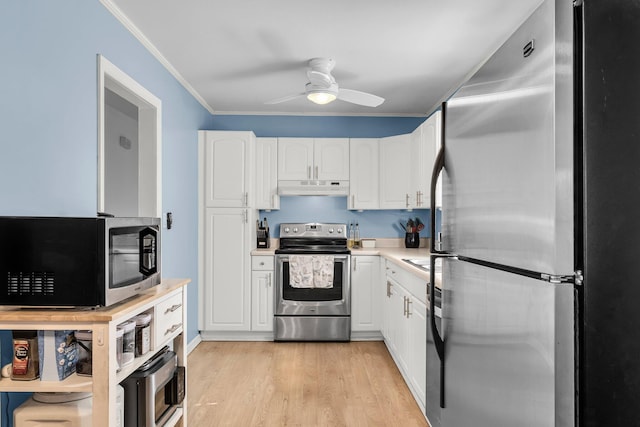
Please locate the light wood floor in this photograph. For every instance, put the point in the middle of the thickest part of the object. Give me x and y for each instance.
(297, 384)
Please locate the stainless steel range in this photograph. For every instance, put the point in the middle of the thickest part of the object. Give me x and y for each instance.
(313, 283)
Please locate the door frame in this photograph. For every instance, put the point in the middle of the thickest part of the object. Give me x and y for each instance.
(149, 136)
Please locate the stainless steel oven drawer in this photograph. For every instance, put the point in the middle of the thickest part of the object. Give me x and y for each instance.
(309, 328)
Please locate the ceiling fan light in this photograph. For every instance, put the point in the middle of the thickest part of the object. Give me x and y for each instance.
(321, 97)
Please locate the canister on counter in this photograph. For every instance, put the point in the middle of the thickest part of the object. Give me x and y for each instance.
(85, 350)
(119, 333)
(128, 341)
(143, 333)
(26, 363)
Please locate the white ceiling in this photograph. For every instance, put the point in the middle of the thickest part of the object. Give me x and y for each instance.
(234, 55)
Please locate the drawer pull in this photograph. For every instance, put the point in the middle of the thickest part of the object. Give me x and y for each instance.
(172, 308)
(173, 328)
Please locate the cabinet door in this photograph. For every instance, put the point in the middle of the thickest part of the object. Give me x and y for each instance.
(365, 304)
(417, 346)
(295, 158)
(331, 159)
(267, 174)
(227, 292)
(395, 172)
(364, 173)
(426, 143)
(228, 167)
(402, 328)
(262, 300)
(396, 326)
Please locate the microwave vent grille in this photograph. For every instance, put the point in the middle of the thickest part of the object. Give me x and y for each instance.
(30, 283)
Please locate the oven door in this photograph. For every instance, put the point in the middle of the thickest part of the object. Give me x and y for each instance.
(297, 301)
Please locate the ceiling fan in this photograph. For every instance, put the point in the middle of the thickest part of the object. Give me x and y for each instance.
(323, 89)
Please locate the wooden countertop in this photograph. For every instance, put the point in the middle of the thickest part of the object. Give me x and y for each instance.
(88, 315)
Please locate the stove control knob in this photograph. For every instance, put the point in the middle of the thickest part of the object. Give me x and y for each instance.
(330, 230)
(295, 229)
(286, 229)
(339, 230)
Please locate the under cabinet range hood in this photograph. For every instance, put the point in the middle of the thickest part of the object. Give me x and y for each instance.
(313, 188)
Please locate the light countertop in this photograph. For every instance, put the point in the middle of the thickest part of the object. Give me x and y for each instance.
(391, 249)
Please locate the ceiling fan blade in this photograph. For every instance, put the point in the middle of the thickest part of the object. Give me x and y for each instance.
(360, 98)
(286, 98)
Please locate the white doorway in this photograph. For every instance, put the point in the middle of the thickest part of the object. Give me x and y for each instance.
(129, 145)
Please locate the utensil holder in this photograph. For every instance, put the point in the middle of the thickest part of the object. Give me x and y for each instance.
(412, 240)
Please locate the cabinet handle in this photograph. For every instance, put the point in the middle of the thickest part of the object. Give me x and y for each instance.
(172, 308)
(404, 306)
(245, 200)
(269, 280)
(409, 307)
(316, 173)
(388, 289)
(418, 198)
(353, 201)
(273, 200)
(173, 328)
(407, 199)
(308, 172)
(354, 263)
(245, 217)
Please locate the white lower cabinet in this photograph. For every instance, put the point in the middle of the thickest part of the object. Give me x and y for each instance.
(226, 298)
(417, 347)
(365, 295)
(405, 326)
(262, 283)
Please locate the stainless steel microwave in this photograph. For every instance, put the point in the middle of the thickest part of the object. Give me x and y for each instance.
(64, 261)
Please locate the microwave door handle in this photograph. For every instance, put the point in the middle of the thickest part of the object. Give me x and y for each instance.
(148, 258)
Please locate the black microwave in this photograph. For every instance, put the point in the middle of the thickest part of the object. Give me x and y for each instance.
(64, 261)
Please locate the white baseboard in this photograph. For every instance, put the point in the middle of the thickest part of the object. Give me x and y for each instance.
(193, 344)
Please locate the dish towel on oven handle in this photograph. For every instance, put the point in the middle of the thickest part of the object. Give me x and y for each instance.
(322, 271)
(311, 271)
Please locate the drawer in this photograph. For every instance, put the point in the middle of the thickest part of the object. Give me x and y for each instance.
(261, 262)
(168, 319)
(413, 284)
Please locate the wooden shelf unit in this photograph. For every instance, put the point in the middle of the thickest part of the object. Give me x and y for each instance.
(103, 322)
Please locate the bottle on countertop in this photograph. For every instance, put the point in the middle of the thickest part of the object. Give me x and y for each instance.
(351, 237)
(356, 238)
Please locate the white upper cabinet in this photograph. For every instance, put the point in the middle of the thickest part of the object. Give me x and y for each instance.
(425, 141)
(331, 159)
(395, 172)
(295, 158)
(267, 174)
(229, 164)
(313, 159)
(364, 174)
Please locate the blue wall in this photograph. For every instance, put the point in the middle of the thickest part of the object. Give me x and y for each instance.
(385, 223)
(48, 117)
(319, 127)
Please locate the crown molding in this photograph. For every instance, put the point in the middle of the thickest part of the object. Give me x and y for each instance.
(135, 31)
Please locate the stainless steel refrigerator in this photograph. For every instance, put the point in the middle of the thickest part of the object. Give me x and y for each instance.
(540, 238)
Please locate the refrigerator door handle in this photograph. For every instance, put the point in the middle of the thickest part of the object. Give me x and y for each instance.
(437, 338)
(438, 166)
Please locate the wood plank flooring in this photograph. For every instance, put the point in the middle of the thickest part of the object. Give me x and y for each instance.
(297, 384)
